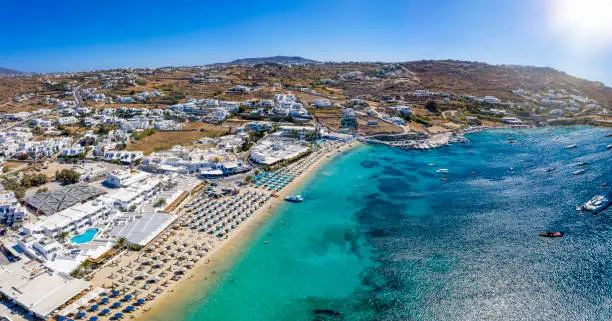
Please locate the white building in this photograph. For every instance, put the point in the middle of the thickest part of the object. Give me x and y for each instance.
(422, 93)
(296, 131)
(10, 209)
(73, 151)
(167, 125)
(322, 103)
(73, 219)
(37, 289)
(125, 178)
(271, 151)
(70, 120)
(124, 157)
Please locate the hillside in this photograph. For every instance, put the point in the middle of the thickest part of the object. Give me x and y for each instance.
(6, 72)
(275, 59)
(470, 78)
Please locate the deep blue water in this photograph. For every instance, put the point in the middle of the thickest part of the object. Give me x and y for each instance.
(381, 237)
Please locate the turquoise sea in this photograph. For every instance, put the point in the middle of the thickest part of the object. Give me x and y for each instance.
(381, 237)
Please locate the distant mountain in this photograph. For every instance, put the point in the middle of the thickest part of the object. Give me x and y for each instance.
(6, 72)
(275, 59)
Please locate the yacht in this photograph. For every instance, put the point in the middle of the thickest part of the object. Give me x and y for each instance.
(571, 146)
(597, 203)
(578, 172)
(442, 170)
(583, 163)
(294, 199)
(609, 146)
(548, 170)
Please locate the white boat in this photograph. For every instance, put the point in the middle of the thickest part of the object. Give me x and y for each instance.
(571, 146)
(597, 204)
(294, 199)
(442, 170)
(609, 146)
(578, 172)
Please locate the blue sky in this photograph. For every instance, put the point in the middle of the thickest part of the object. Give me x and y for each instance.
(45, 36)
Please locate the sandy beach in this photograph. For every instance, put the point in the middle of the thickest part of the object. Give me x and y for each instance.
(174, 250)
(209, 270)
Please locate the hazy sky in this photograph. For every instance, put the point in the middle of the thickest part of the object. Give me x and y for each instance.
(42, 36)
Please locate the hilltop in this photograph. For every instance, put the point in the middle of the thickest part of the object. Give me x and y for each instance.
(7, 72)
(275, 59)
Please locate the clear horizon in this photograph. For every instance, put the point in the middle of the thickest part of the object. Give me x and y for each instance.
(571, 36)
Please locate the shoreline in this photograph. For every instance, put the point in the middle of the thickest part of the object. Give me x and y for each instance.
(222, 257)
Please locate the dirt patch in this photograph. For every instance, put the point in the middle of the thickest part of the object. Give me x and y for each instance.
(165, 140)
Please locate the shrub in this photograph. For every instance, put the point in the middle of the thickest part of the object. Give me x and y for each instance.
(67, 176)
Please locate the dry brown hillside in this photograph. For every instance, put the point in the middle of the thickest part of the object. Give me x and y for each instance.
(472, 78)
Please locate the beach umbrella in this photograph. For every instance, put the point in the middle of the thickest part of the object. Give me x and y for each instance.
(116, 305)
(129, 308)
(61, 318)
(118, 315)
(94, 307)
(105, 311)
(93, 318)
(140, 301)
(127, 297)
(81, 315)
(114, 293)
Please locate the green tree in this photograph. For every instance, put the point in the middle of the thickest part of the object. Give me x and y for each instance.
(38, 130)
(159, 203)
(67, 176)
(120, 243)
(62, 237)
(432, 106)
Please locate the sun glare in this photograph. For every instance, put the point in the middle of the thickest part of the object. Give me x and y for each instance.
(585, 25)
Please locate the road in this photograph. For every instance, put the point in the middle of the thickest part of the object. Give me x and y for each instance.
(77, 96)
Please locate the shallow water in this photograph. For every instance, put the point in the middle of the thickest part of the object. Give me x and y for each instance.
(381, 237)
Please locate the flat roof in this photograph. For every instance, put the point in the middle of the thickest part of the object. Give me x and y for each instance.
(64, 197)
(38, 289)
(142, 230)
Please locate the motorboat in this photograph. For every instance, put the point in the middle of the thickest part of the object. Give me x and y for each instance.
(571, 146)
(548, 170)
(442, 170)
(551, 234)
(294, 199)
(578, 172)
(597, 204)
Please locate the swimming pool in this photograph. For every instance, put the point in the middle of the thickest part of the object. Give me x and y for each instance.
(85, 237)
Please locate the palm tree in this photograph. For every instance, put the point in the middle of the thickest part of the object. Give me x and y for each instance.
(121, 243)
(86, 265)
(62, 237)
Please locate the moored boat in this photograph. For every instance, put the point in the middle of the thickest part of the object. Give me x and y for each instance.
(597, 203)
(294, 199)
(551, 234)
(442, 170)
(571, 146)
(578, 172)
